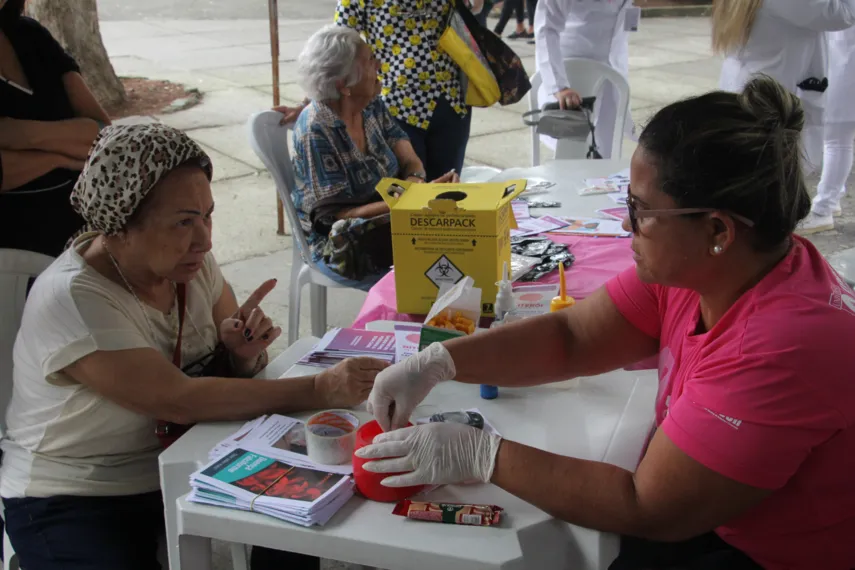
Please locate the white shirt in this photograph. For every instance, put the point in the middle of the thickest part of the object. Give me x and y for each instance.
(593, 29)
(788, 43)
(63, 438)
(839, 106)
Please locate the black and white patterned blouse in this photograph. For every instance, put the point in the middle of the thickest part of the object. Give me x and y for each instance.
(404, 35)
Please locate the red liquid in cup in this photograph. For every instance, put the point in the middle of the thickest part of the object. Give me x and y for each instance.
(367, 482)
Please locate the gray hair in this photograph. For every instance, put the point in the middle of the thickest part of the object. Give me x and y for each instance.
(328, 57)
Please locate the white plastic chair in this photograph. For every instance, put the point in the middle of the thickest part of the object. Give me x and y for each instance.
(17, 268)
(587, 77)
(269, 140)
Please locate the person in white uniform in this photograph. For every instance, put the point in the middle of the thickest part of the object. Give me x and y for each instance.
(839, 134)
(593, 29)
(784, 39)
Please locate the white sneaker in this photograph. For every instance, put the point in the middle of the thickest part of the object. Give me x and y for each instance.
(814, 223)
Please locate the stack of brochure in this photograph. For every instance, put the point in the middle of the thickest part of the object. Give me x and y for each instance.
(278, 436)
(341, 344)
(264, 467)
(254, 481)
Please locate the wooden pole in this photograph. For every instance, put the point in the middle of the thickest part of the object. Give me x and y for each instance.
(273, 9)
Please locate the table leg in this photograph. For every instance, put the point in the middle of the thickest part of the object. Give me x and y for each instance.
(194, 552)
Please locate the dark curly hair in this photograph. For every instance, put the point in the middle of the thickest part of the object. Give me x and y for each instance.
(739, 152)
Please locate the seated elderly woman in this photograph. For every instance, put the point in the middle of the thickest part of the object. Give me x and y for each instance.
(111, 334)
(48, 122)
(345, 141)
(751, 463)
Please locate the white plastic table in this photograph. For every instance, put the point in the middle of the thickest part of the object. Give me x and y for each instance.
(569, 177)
(606, 418)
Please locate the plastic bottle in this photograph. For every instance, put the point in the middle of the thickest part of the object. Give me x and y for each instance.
(562, 301)
(504, 304)
(505, 296)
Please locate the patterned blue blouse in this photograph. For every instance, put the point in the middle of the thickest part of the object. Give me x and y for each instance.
(332, 173)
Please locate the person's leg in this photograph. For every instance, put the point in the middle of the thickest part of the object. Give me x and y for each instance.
(418, 138)
(520, 14)
(447, 138)
(485, 13)
(86, 533)
(508, 7)
(531, 6)
(836, 166)
(269, 559)
(812, 143)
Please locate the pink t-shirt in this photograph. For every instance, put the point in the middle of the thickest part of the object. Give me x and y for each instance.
(766, 398)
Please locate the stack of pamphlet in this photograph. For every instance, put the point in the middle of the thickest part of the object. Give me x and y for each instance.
(341, 344)
(259, 482)
(278, 436)
(265, 467)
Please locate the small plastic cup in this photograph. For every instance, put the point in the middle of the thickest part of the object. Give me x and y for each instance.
(367, 482)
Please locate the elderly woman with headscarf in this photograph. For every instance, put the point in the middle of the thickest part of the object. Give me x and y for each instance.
(111, 334)
(345, 141)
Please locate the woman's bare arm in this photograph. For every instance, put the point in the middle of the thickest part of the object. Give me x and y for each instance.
(589, 338)
(82, 101)
(671, 497)
(408, 160)
(144, 381)
(22, 166)
(72, 137)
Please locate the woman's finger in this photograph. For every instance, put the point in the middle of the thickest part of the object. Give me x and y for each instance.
(263, 328)
(397, 465)
(231, 325)
(271, 335)
(253, 320)
(257, 296)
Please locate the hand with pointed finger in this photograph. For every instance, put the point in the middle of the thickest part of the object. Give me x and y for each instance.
(433, 454)
(349, 382)
(249, 332)
(401, 387)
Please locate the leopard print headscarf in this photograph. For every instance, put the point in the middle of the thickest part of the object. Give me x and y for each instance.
(124, 164)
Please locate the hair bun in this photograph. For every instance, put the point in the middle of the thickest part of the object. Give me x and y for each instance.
(772, 105)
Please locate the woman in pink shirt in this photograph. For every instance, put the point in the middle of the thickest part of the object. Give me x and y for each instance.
(752, 463)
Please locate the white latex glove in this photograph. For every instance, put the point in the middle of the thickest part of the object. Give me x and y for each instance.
(433, 454)
(400, 388)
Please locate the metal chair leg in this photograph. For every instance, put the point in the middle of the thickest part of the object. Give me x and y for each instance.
(319, 309)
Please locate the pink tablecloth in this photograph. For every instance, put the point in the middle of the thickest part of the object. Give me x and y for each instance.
(597, 261)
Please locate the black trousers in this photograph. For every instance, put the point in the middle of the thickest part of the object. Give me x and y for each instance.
(509, 7)
(482, 17)
(520, 7)
(705, 552)
(443, 145)
(106, 533)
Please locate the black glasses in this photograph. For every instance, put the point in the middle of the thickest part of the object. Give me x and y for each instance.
(635, 213)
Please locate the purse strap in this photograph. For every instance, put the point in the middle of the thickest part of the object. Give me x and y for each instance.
(181, 292)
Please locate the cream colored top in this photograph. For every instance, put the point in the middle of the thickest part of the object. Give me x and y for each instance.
(63, 438)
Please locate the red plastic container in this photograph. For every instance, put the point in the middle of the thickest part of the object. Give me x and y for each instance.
(367, 482)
